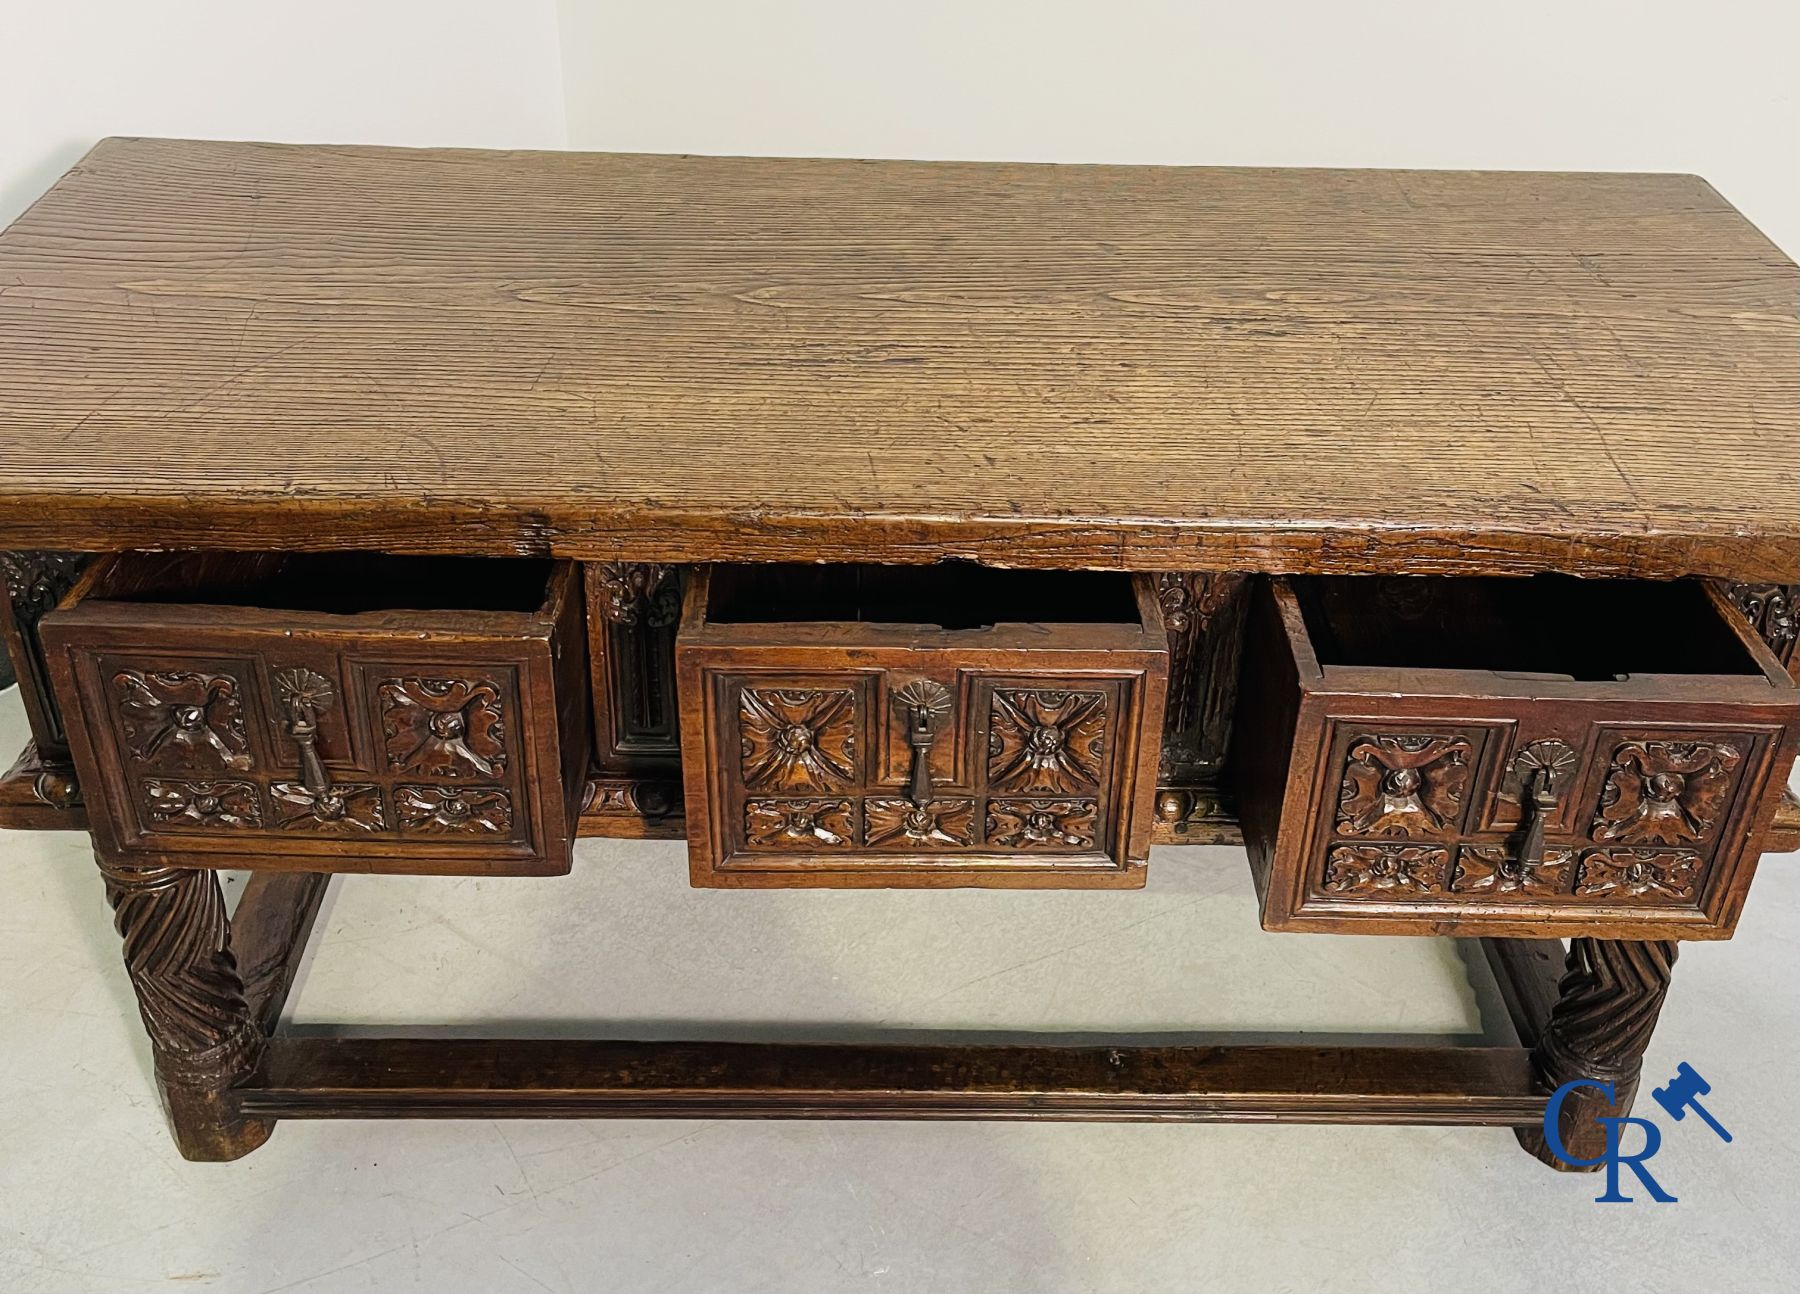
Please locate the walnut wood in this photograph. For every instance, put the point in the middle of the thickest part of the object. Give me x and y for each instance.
(1774, 610)
(38, 798)
(1605, 1011)
(270, 927)
(1527, 972)
(144, 637)
(31, 583)
(1784, 827)
(496, 1078)
(204, 1035)
(251, 346)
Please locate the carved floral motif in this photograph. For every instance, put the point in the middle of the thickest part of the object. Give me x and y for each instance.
(1042, 824)
(188, 806)
(342, 809)
(935, 824)
(629, 590)
(1496, 870)
(182, 718)
(797, 739)
(453, 810)
(1394, 870)
(1774, 609)
(1403, 785)
(798, 824)
(1651, 875)
(1046, 740)
(1665, 792)
(443, 727)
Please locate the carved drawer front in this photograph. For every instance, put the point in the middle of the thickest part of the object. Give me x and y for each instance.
(1539, 757)
(933, 726)
(327, 714)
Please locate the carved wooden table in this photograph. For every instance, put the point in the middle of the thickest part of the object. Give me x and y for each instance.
(899, 524)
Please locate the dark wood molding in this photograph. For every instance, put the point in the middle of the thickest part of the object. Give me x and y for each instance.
(494, 1078)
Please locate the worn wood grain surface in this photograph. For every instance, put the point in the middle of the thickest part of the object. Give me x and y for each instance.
(682, 358)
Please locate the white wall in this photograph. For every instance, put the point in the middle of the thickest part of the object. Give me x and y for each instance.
(1576, 84)
(342, 71)
(1672, 85)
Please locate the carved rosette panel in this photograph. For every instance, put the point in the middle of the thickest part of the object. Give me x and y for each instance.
(1495, 871)
(799, 824)
(1042, 824)
(1774, 611)
(1203, 612)
(797, 739)
(1385, 870)
(936, 824)
(1665, 792)
(453, 810)
(1640, 875)
(182, 719)
(203, 806)
(629, 590)
(345, 809)
(178, 954)
(1407, 785)
(443, 727)
(1046, 741)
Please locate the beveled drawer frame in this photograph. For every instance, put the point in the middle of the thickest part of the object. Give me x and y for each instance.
(541, 653)
(1130, 660)
(1308, 707)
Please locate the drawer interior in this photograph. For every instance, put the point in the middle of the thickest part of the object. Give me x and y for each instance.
(950, 596)
(1551, 626)
(329, 583)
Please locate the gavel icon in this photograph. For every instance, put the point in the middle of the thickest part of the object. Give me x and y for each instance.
(1683, 1092)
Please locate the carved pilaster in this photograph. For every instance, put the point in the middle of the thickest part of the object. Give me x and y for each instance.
(34, 582)
(1774, 609)
(634, 610)
(178, 954)
(1606, 1009)
(1204, 614)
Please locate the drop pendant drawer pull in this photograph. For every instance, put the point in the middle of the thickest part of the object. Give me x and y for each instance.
(304, 696)
(1544, 769)
(923, 705)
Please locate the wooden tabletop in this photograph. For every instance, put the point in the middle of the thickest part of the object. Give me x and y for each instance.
(683, 358)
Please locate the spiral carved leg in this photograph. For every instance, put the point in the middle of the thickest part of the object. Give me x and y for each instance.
(1607, 1004)
(178, 954)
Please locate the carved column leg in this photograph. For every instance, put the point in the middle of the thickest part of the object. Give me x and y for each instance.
(1605, 1012)
(202, 1033)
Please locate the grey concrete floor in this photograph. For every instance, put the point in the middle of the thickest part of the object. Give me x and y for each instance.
(94, 1198)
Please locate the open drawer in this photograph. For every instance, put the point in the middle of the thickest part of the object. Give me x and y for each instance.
(346, 712)
(1541, 757)
(915, 726)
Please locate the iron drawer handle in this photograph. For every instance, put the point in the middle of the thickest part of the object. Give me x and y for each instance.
(924, 704)
(306, 696)
(1544, 769)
